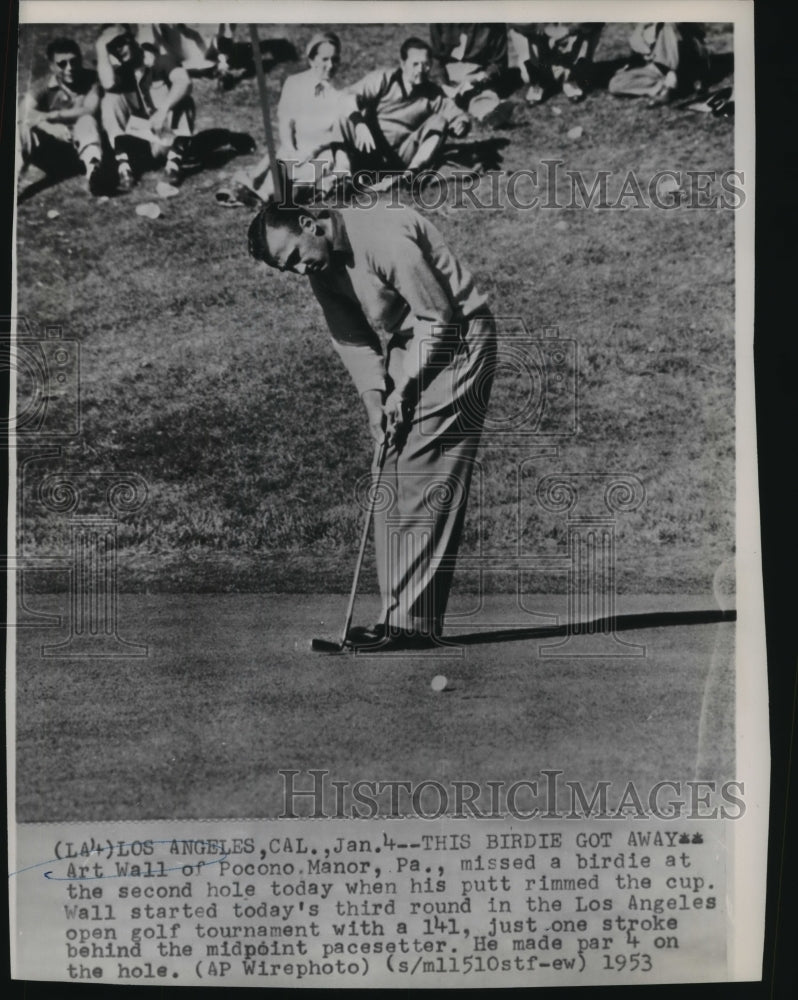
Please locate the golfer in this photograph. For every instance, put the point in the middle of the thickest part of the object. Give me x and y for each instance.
(420, 344)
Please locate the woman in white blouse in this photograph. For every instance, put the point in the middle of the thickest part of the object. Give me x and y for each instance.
(309, 117)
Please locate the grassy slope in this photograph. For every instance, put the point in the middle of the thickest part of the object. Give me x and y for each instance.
(217, 383)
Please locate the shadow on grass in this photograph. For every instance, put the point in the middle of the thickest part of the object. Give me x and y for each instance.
(208, 150)
(597, 626)
(43, 183)
(214, 147)
(273, 51)
(480, 154)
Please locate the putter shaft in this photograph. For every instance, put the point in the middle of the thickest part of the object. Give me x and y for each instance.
(364, 539)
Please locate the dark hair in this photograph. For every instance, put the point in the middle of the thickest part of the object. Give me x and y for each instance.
(272, 216)
(325, 36)
(65, 45)
(413, 43)
(125, 36)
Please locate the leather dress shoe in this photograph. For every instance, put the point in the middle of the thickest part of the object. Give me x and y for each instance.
(387, 638)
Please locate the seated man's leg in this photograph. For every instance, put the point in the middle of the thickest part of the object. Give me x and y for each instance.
(667, 48)
(457, 72)
(420, 147)
(489, 109)
(115, 114)
(482, 101)
(533, 53)
(86, 138)
(588, 36)
(49, 147)
(580, 69)
(195, 51)
(538, 67)
(682, 51)
(637, 81)
(520, 45)
(343, 139)
(182, 125)
(572, 54)
(677, 62)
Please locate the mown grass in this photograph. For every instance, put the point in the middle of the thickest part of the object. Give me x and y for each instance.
(202, 725)
(217, 383)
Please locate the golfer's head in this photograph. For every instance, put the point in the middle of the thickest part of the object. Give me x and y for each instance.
(289, 238)
(65, 59)
(414, 58)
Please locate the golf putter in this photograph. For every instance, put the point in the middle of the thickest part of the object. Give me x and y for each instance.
(327, 645)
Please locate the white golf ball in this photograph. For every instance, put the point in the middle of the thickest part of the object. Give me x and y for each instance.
(438, 683)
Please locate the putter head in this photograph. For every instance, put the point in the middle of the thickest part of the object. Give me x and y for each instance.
(326, 646)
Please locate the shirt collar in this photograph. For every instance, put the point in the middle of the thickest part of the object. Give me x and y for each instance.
(340, 237)
(398, 77)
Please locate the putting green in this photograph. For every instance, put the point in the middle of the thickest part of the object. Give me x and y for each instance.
(229, 693)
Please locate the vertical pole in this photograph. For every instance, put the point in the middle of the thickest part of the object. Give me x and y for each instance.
(264, 105)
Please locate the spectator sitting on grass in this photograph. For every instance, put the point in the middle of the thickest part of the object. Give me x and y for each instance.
(58, 125)
(669, 60)
(197, 50)
(147, 100)
(404, 118)
(555, 55)
(473, 58)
